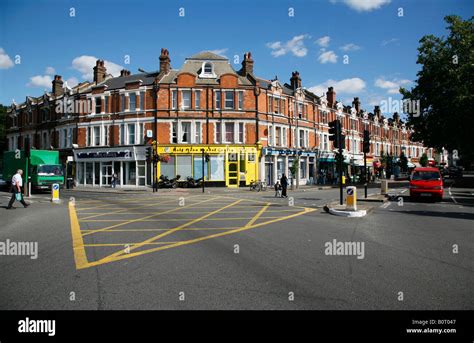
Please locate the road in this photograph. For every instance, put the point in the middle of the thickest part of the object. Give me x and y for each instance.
(227, 249)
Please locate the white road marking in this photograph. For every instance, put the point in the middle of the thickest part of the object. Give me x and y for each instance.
(387, 204)
(449, 189)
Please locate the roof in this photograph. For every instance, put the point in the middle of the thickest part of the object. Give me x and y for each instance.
(194, 64)
(120, 81)
(207, 56)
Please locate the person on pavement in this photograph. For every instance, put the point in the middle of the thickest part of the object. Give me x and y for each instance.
(284, 185)
(17, 183)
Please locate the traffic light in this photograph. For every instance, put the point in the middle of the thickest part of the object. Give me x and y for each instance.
(149, 154)
(333, 130)
(335, 134)
(366, 147)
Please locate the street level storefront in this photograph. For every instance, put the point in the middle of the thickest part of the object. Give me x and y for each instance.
(224, 165)
(96, 166)
(326, 168)
(276, 162)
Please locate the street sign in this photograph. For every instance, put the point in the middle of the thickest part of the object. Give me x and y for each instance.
(351, 198)
(55, 192)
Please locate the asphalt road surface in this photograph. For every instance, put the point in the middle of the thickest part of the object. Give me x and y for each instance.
(229, 249)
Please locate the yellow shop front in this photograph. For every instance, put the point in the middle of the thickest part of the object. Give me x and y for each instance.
(224, 165)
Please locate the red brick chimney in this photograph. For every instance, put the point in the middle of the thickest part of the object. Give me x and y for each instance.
(57, 88)
(99, 71)
(331, 97)
(165, 62)
(247, 64)
(356, 104)
(377, 111)
(295, 80)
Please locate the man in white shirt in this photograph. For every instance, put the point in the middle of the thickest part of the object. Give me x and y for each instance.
(17, 183)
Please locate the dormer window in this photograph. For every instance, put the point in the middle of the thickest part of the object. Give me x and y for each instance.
(207, 70)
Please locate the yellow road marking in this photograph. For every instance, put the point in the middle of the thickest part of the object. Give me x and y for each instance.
(169, 219)
(77, 242)
(244, 228)
(147, 217)
(127, 209)
(118, 253)
(122, 244)
(186, 229)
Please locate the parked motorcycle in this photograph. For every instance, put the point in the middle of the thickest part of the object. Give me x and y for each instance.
(165, 182)
(193, 183)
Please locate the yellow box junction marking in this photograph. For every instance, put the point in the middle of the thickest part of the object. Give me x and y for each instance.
(79, 246)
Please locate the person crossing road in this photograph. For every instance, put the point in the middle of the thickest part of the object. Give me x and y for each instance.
(17, 183)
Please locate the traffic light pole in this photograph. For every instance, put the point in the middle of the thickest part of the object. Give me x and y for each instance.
(340, 172)
(203, 158)
(366, 175)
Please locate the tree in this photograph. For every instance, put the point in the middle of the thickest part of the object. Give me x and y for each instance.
(424, 160)
(445, 89)
(403, 163)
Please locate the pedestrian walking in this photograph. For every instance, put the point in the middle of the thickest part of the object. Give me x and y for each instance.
(284, 186)
(114, 180)
(17, 183)
(278, 189)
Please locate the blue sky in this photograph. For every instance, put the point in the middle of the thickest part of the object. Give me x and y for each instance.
(380, 44)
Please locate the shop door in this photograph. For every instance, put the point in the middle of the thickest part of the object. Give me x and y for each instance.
(233, 170)
(106, 174)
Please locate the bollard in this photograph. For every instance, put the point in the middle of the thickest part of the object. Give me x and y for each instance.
(351, 198)
(55, 193)
(384, 187)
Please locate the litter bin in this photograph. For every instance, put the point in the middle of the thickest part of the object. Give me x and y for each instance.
(384, 187)
(70, 183)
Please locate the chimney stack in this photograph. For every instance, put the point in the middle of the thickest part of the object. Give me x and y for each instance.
(331, 97)
(247, 64)
(57, 85)
(165, 62)
(377, 111)
(99, 71)
(295, 80)
(124, 72)
(356, 104)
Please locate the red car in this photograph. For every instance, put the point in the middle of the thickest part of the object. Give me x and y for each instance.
(427, 183)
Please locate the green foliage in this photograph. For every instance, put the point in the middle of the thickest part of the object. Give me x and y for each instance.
(445, 88)
(424, 160)
(294, 167)
(403, 163)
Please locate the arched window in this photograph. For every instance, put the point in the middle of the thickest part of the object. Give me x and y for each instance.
(208, 68)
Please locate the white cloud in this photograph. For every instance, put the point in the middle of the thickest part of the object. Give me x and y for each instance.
(323, 41)
(50, 71)
(295, 46)
(85, 64)
(220, 52)
(347, 86)
(5, 60)
(389, 41)
(327, 57)
(43, 81)
(350, 47)
(393, 86)
(71, 82)
(363, 5)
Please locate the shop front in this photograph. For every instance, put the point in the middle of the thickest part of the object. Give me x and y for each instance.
(224, 165)
(326, 168)
(280, 161)
(95, 167)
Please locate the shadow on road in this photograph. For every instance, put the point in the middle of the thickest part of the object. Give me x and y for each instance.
(455, 215)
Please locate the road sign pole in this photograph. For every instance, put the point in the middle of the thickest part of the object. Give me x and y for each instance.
(203, 178)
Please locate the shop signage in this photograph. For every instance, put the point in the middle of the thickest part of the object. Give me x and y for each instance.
(207, 149)
(289, 152)
(105, 154)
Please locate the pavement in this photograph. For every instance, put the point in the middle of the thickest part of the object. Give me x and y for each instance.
(238, 249)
